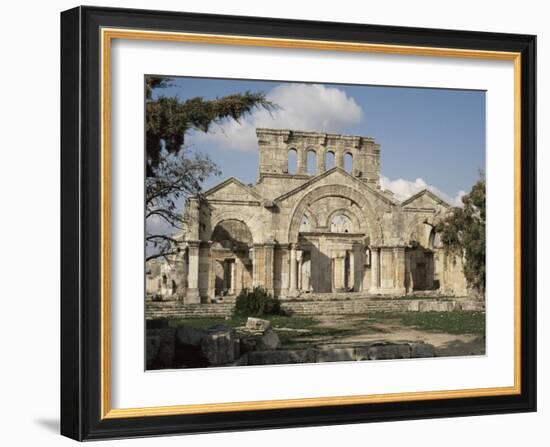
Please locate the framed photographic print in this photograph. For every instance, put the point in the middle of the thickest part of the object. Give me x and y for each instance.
(276, 223)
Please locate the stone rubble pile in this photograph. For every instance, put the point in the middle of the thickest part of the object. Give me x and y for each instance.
(257, 344)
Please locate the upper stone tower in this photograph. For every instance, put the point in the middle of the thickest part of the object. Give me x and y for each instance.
(276, 144)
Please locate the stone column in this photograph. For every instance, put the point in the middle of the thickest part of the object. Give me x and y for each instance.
(359, 263)
(183, 274)
(387, 270)
(400, 267)
(212, 278)
(252, 257)
(321, 156)
(263, 266)
(269, 251)
(338, 271)
(233, 277)
(408, 273)
(351, 272)
(192, 296)
(293, 286)
(314, 274)
(257, 265)
(374, 270)
(339, 159)
(239, 268)
(299, 268)
(301, 164)
(192, 214)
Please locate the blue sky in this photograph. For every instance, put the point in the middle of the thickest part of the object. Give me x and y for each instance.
(432, 138)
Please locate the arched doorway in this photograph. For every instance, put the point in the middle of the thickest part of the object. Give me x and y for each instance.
(230, 264)
(330, 230)
(422, 257)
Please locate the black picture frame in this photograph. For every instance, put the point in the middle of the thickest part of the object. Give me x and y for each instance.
(81, 209)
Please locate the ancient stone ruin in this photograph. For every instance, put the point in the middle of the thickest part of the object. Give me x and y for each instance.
(332, 230)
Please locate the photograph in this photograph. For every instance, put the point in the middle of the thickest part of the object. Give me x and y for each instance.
(281, 222)
(299, 222)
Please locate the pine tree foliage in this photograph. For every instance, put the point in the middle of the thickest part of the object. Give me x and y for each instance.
(173, 171)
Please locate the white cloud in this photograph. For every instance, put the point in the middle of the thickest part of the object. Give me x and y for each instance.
(403, 189)
(157, 225)
(310, 107)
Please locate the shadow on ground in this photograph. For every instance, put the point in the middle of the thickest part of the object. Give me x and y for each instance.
(459, 347)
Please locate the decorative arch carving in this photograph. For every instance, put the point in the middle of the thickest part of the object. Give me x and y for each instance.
(372, 224)
(312, 219)
(357, 224)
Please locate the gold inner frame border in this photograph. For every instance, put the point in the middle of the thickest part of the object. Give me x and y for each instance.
(107, 35)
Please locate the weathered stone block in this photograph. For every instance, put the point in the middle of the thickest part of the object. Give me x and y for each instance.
(335, 355)
(384, 352)
(156, 323)
(248, 344)
(421, 350)
(187, 335)
(167, 347)
(152, 349)
(241, 361)
(236, 347)
(436, 306)
(258, 324)
(219, 347)
(414, 306)
(268, 341)
(281, 357)
(472, 305)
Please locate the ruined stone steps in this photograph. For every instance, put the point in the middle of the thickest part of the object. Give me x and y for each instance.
(179, 309)
(345, 307)
(313, 307)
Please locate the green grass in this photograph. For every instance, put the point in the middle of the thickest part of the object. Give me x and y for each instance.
(288, 338)
(206, 322)
(458, 322)
(277, 321)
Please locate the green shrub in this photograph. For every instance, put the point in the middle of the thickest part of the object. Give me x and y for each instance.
(256, 302)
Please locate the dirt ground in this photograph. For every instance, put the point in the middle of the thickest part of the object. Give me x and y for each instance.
(446, 344)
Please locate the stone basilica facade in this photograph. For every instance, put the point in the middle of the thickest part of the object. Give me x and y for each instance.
(294, 232)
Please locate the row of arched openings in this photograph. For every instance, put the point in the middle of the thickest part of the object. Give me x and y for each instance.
(312, 161)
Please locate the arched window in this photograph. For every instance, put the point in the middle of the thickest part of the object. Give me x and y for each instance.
(340, 224)
(348, 162)
(292, 161)
(329, 160)
(311, 162)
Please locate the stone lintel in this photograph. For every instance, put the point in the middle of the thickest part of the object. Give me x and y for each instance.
(332, 234)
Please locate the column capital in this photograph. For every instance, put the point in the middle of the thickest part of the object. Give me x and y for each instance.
(337, 254)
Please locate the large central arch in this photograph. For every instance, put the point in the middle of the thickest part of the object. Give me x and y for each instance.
(371, 219)
(254, 223)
